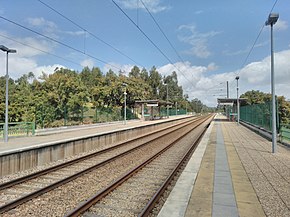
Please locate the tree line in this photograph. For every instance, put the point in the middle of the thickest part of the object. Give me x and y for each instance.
(67, 92)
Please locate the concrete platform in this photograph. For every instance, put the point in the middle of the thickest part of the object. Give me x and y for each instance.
(232, 173)
(23, 153)
(49, 137)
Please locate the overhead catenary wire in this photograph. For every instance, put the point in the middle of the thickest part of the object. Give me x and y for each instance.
(59, 42)
(163, 33)
(150, 40)
(92, 34)
(43, 51)
(253, 46)
(167, 39)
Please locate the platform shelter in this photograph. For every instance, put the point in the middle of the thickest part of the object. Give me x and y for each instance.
(229, 106)
(151, 109)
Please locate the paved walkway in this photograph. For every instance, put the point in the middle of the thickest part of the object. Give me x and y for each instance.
(237, 175)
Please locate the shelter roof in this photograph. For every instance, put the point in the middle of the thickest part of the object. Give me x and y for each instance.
(153, 101)
(230, 101)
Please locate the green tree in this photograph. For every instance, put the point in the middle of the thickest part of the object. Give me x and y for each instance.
(65, 92)
(144, 75)
(155, 81)
(175, 92)
(135, 72)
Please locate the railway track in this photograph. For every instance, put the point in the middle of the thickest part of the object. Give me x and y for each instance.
(26, 188)
(137, 192)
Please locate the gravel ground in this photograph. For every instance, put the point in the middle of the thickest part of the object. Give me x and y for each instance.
(269, 173)
(66, 197)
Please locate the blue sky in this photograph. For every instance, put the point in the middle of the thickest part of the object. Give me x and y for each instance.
(212, 39)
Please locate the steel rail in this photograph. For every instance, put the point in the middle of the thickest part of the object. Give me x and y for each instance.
(25, 198)
(101, 194)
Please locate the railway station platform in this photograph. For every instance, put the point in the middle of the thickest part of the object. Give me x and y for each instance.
(16, 144)
(232, 173)
(22, 153)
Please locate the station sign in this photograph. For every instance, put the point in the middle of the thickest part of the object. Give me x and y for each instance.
(152, 105)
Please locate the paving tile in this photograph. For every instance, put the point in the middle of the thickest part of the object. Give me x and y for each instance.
(243, 187)
(199, 208)
(224, 211)
(224, 202)
(250, 210)
(203, 193)
(176, 208)
(224, 199)
(247, 197)
(223, 173)
(223, 180)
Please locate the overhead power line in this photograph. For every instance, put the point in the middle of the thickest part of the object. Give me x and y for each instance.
(150, 40)
(92, 34)
(58, 42)
(258, 36)
(43, 51)
(159, 27)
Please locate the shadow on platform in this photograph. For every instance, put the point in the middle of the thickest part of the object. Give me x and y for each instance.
(221, 120)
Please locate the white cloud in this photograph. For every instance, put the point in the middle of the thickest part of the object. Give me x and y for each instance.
(198, 12)
(281, 25)
(212, 67)
(48, 27)
(254, 76)
(246, 50)
(258, 73)
(27, 46)
(88, 62)
(75, 33)
(154, 6)
(197, 40)
(40, 21)
(188, 75)
(49, 69)
(18, 66)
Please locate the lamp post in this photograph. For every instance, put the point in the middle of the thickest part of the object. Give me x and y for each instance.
(167, 108)
(7, 50)
(176, 108)
(125, 101)
(272, 19)
(238, 101)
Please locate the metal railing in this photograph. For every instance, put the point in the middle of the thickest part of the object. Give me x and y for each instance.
(257, 114)
(285, 133)
(18, 129)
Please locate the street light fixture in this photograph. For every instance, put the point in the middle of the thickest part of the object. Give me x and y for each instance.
(7, 50)
(272, 19)
(176, 108)
(238, 101)
(125, 94)
(167, 108)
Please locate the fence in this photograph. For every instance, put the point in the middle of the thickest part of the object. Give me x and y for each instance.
(285, 133)
(86, 116)
(172, 112)
(258, 114)
(18, 129)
